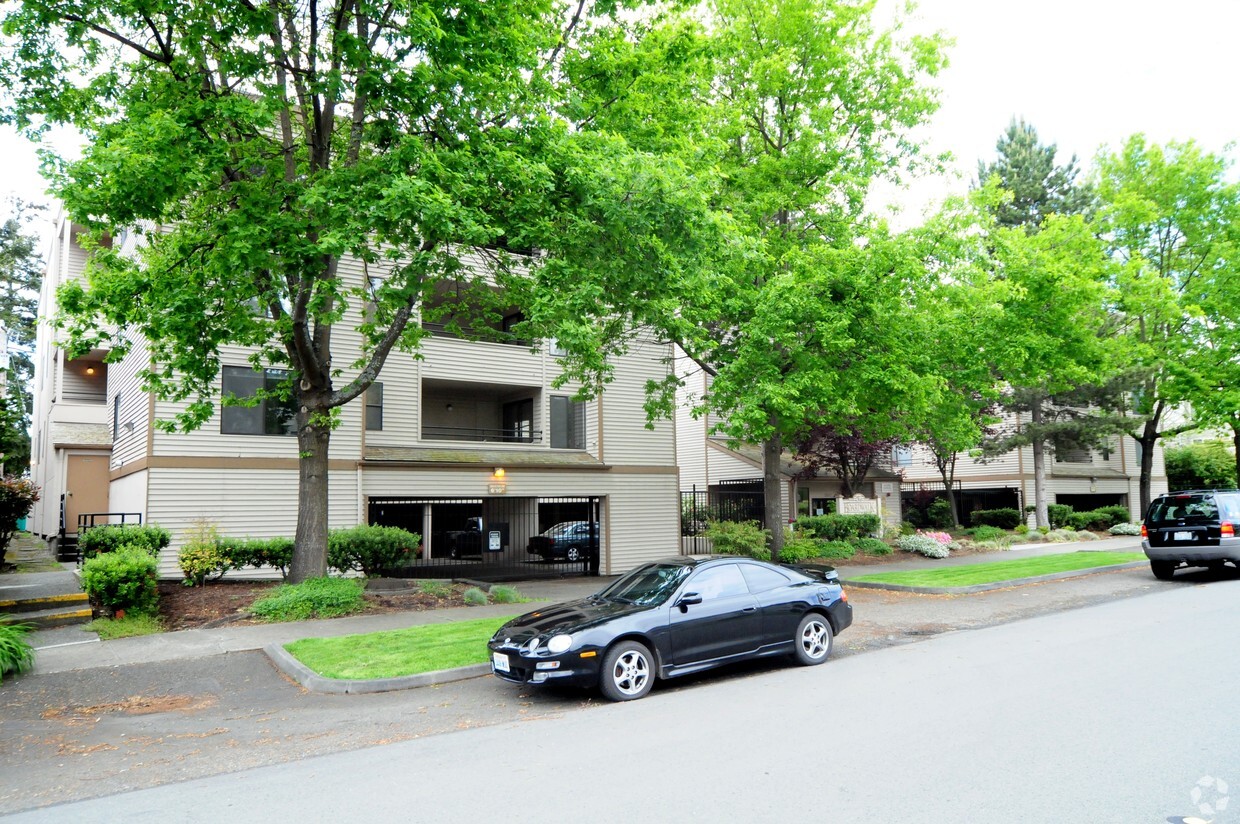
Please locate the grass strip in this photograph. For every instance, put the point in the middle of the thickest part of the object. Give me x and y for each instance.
(998, 571)
(398, 652)
(131, 625)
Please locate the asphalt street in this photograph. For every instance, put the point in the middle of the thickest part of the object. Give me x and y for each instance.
(1110, 712)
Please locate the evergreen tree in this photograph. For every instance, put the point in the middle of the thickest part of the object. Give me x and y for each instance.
(1026, 168)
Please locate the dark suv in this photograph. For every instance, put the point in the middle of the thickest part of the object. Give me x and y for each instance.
(1196, 527)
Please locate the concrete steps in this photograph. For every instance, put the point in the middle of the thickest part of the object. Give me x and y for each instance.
(48, 611)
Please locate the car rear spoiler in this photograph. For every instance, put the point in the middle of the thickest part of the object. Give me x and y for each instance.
(822, 572)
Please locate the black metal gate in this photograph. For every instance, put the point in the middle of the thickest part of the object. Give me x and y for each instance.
(699, 507)
(496, 539)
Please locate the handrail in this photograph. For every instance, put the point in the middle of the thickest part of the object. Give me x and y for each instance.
(461, 433)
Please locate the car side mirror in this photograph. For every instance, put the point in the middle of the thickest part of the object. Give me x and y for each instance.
(687, 600)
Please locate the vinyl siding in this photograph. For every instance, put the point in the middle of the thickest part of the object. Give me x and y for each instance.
(128, 494)
(129, 444)
(251, 502)
(626, 440)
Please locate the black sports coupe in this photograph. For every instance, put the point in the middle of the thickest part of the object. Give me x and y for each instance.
(672, 618)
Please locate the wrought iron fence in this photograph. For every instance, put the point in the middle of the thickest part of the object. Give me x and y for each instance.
(698, 508)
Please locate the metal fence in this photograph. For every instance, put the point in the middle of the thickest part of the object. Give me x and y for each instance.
(496, 539)
(699, 507)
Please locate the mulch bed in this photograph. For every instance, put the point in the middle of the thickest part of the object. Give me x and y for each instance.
(227, 602)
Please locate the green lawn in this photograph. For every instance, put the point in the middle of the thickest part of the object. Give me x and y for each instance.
(997, 571)
(399, 652)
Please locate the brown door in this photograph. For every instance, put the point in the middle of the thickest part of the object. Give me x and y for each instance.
(86, 488)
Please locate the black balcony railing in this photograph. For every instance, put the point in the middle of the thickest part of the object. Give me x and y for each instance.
(460, 433)
(480, 333)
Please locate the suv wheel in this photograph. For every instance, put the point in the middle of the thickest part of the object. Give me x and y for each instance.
(1163, 570)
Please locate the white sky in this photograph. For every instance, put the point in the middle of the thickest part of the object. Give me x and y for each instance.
(1083, 72)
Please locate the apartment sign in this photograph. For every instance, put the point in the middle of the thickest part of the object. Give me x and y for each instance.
(857, 505)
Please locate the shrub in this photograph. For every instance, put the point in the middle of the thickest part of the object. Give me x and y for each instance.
(907, 528)
(1209, 465)
(475, 597)
(1002, 518)
(370, 549)
(110, 537)
(986, 533)
(1119, 514)
(122, 579)
(941, 537)
(17, 497)
(798, 548)
(201, 555)
(939, 513)
(1125, 528)
(312, 598)
(836, 527)
(836, 550)
(1059, 536)
(1021, 528)
(738, 538)
(872, 546)
(507, 595)
(16, 654)
(1096, 519)
(1034, 537)
(436, 589)
(1058, 514)
(923, 545)
(258, 552)
(1086, 536)
(999, 544)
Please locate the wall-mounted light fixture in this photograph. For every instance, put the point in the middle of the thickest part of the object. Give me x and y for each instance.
(128, 426)
(499, 472)
(90, 370)
(448, 407)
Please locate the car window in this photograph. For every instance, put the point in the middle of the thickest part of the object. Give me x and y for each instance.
(1229, 506)
(718, 582)
(648, 585)
(1183, 507)
(760, 578)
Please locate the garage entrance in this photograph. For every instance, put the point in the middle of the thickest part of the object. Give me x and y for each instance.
(490, 539)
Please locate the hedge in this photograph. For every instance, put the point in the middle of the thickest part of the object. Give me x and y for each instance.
(124, 578)
(1002, 518)
(835, 527)
(111, 537)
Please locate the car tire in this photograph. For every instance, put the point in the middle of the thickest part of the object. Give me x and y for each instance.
(573, 554)
(628, 672)
(813, 640)
(1163, 570)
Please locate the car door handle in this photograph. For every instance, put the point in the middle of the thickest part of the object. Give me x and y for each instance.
(750, 609)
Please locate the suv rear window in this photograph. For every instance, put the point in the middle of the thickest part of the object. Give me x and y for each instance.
(1195, 508)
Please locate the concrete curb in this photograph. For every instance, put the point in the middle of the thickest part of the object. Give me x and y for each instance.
(1015, 582)
(314, 682)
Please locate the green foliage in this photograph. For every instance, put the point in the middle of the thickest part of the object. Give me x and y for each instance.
(1002, 518)
(436, 589)
(507, 595)
(871, 546)
(1119, 514)
(16, 654)
(1125, 528)
(738, 538)
(923, 546)
(836, 527)
(201, 555)
(799, 547)
(371, 549)
(312, 598)
(131, 625)
(1098, 519)
(258, 552)
(17, 497)
(1060, 536)
(835, 550)
(939, 513)
(1021, 528)
(985, 533)
(122, 578)
(110, 537)
(1058, 515)
(1209, 465)
(907, 528)
(1082, 535)
(475, 597)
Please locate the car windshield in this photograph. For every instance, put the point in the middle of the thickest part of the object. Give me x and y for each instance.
(561, 529)
(1184, 508)
(648, 585)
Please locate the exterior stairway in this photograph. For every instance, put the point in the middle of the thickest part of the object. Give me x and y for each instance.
(50, 596)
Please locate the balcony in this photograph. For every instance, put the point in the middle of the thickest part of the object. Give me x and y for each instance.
(465, 412)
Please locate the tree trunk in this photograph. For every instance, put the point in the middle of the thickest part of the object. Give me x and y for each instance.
(949, 476)
(1148, 440)
(773, 492)
(1235, 440)
(1041, 517)
(313, 435)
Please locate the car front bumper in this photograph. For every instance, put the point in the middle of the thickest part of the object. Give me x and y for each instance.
(568, 669)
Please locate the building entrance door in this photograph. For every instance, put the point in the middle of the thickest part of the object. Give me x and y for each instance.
(86, 487)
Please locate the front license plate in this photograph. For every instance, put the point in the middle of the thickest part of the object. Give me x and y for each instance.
(1182, 536)
(499, 662)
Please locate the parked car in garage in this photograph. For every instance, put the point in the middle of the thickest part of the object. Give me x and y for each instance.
(675, 617)
(567, 541)
(1194, 528)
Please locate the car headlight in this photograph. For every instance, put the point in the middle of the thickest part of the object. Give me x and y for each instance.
(559, 643)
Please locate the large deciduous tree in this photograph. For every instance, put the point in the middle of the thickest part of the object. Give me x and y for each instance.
(260, 144)
(797, 320)
(1170, 215)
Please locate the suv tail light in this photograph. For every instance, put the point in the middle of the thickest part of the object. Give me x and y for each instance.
(1144, 534)
(1227, 530)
